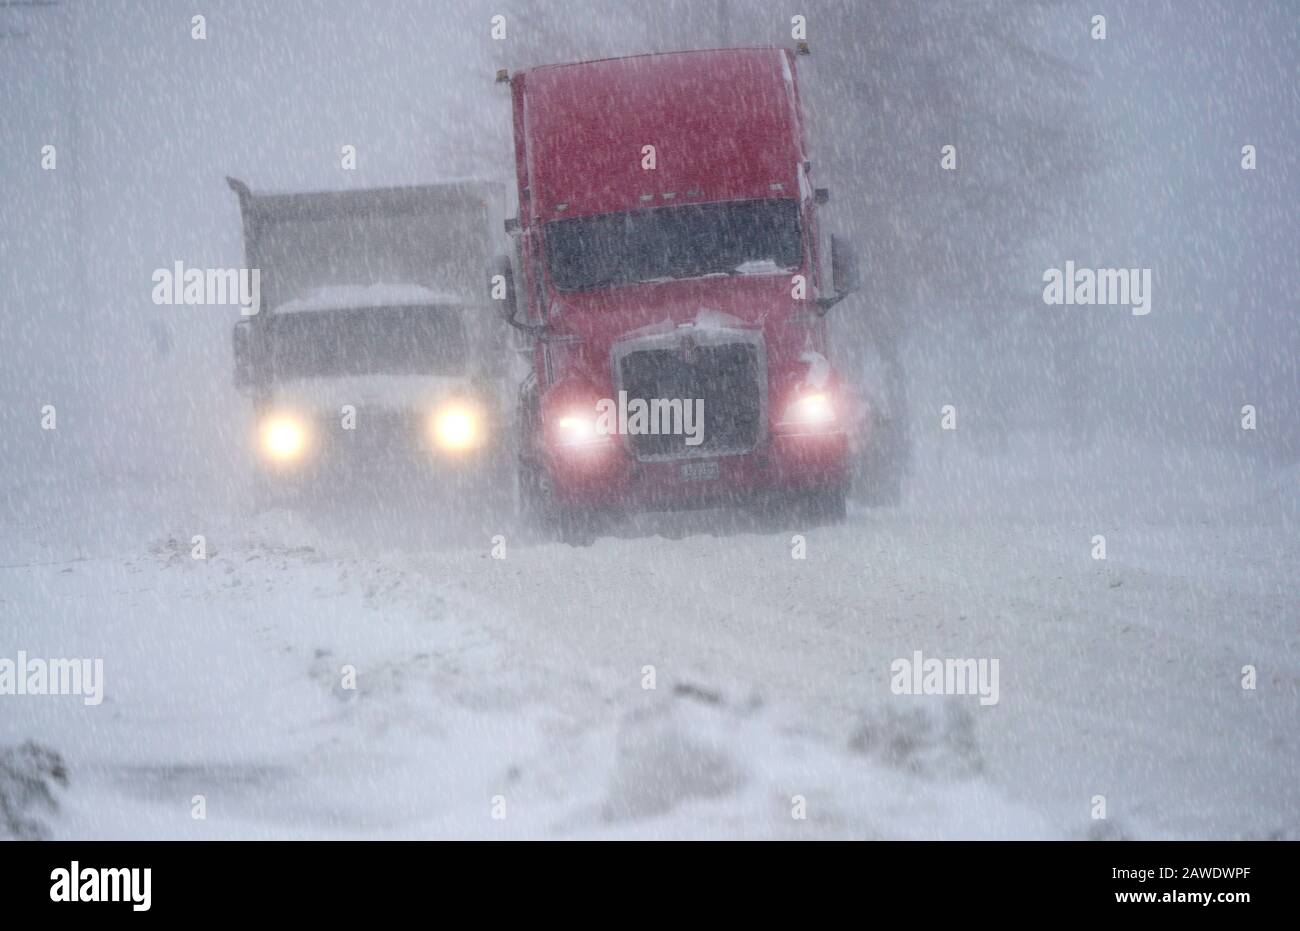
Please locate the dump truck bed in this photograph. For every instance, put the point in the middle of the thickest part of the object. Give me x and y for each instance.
(437, 236)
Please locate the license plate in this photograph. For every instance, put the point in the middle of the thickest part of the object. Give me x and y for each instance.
(701, 470)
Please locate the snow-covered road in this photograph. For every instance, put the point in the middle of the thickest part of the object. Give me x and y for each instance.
(508, 696)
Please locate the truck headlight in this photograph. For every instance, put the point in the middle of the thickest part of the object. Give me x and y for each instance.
(579, 428)
(283, 437)
(576, 428)
(815, 409)
(457, 426)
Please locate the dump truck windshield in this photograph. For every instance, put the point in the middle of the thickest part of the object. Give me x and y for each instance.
(407, 340)
(687, 241)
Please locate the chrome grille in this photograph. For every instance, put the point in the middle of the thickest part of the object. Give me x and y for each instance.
(728, 376)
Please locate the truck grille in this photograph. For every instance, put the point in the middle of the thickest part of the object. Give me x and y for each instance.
(378, 433)
(729, 377)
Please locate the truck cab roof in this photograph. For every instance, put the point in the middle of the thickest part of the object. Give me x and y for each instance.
(724, 125)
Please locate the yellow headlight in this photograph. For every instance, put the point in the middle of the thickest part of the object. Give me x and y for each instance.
(284, 437)
(457, 427)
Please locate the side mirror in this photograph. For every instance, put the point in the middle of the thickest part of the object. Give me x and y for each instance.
(508, 306)
(821, 196)
(844, 272)
(502, 290)
(844, 266)
(242, 344)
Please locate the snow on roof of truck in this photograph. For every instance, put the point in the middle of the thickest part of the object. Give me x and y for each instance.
(315, 204)
(724, 125)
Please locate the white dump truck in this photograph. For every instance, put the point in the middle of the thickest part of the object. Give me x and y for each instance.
(375, 347)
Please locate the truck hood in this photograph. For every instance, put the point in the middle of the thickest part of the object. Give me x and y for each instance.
(601, 318)
(321, 397)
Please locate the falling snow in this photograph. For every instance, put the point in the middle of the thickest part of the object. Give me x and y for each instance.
(1104, 502)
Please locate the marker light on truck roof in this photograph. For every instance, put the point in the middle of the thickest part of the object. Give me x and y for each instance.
(284, 437)
(457, 426)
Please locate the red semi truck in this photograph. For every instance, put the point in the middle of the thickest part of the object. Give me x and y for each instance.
(668, 270)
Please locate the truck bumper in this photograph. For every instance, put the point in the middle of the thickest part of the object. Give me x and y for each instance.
(391, 445)
(608, 477)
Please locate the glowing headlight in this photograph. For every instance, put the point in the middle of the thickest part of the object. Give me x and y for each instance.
(284, 438)
(581, 428)
(576, 429)
(457, 427)
(810, 410)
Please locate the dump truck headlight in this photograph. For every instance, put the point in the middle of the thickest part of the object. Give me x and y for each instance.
(283, 437)
(457, 426)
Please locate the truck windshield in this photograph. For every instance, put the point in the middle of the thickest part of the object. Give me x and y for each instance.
(407, 340)
(688, 241)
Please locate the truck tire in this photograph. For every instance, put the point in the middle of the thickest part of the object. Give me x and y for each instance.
(576, 527)
(534, 499)
(801, 510)
(546, 517)
(825, 506)
(883, 489)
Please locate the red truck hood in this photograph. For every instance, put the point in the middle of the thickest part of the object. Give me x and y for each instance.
(602, 318)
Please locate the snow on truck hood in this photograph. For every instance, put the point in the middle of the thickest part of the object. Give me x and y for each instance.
(326, 396)
(705, 319)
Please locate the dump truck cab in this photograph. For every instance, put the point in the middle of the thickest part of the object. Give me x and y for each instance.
(667, 250)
